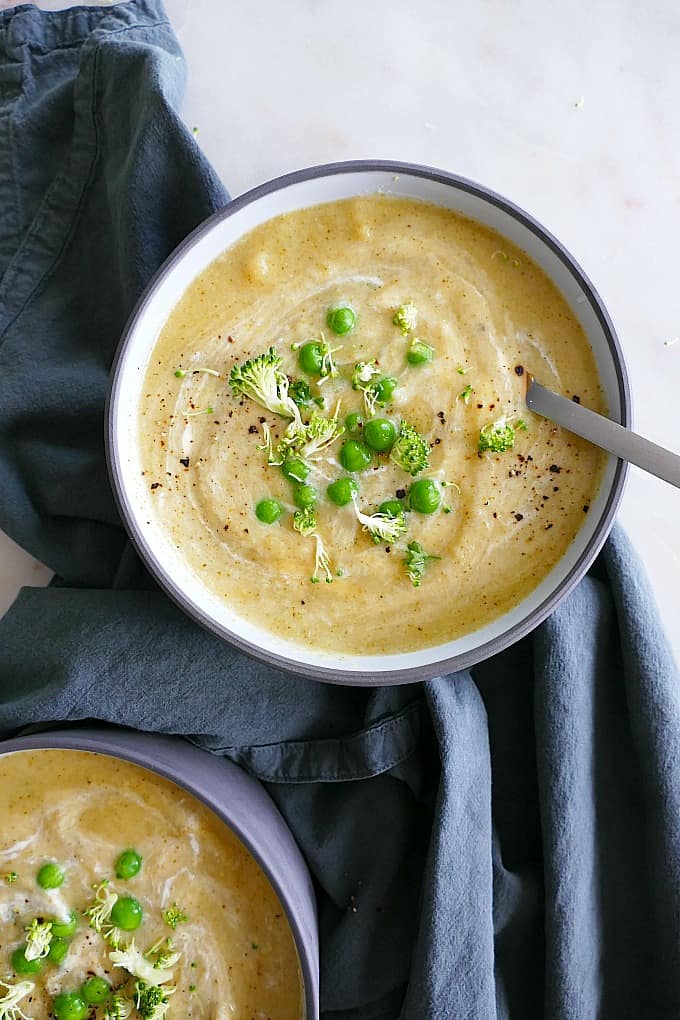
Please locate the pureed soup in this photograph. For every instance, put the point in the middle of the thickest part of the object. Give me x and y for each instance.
(122, 895)
(333, 430)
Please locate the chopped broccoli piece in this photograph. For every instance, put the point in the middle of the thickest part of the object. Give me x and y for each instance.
(11, 877)
(137, 963)
(151, 1001)
(99, 912)
(174, 915)
(300, 392)
(262, 380)
(499, 436)
(415, 561)
(274, 456)
(363, 380)
(411, 451)
(466, 394)
(118, 1008)
(381, 527)
(319, 434)
(406, 317)
(304, 521)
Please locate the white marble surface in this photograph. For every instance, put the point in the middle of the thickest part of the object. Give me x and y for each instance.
(569, 109)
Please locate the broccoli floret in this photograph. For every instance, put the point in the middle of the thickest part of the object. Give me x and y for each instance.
(499, 436)
(406, 317)
(174, 915)
(319, 434)
(300, 392)
(118, 1008)
(411, 451)
(381, 527)
(415, 561)
(151, 1001)
(137, 963)
(466, 394)
(262, 380)
(38, 939)
(304, 521)
(363, 380)
(322, 564)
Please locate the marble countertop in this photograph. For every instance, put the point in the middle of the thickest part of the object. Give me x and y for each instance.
(570, 110)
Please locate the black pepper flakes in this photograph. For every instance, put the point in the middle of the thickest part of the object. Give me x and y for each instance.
(252, 430)
(519, 517)
(576, 399)
(554, 469)
(519, 370)
(155, 485)
(184, 461)
(586, 508)
(401, 494)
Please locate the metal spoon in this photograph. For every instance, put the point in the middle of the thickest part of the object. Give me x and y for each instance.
(603, 432)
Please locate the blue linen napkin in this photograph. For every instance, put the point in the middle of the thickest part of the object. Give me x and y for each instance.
(500, 843)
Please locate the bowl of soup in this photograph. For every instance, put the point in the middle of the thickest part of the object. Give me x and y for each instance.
(317, 434)
(142, 876)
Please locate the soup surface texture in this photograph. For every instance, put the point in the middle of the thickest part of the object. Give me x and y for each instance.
(479, 316)
(197, 885)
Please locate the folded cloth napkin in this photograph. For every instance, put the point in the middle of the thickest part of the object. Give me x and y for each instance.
(501, 843)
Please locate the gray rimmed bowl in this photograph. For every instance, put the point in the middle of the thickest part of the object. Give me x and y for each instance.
(234, 797)
(285, 194)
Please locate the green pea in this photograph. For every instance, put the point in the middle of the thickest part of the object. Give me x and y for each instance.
(354, 423)
(342, 490)
(305, 496)
(341, 319)
(95, 991)
(65, 929)
(70, 1006)
(127, 913)
(391, 507)
(295, 469)
(384, 388)
(424, 496)
(419, 353)
(50, 876)
(354, 455)
(23, 966)
(310, 358)
(379, 434)
(268, 511)
(59, 948)
(129, 863)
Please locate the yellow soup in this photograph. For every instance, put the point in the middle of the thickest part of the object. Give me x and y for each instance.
(487, 314)
(197, 886)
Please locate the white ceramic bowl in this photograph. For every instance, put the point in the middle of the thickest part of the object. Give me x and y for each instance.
(295, 191)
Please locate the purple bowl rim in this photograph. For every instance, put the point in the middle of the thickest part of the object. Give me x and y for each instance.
(451, 664)
(101, 739)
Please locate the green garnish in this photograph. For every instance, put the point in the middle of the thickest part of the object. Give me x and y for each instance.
(305, 496)
(151, 1001)
(300, 392)
(99, 911)
(341, 319)
(174, 915)
(304, 521)
(424, 496)
(262, 380)
(65, 929)
(11, 877)
(11, 996)
(23, 966)
(268, 511)
(355, 455)
(127, 913)
(50, 876)
(267, 445)
(192, 988)
(462, 371)
(362, 379)
(319, 434)
(381, 527)
(466, 394)
(38, 938)
(379, 434)
(419, 353)
(415, 561)
(499, 436)
(96, 990)
(180, 373)
(119, 1008)
(70, 1006)
(406, 317)
(137, 963)
(128, 864)
(411, 451)
(315, 357)
(342, 491)
(254, 945)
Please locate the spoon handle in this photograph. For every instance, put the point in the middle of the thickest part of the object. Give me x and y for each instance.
(604, 433)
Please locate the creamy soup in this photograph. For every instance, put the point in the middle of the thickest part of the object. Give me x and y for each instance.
(454, 316)
(89, 818)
